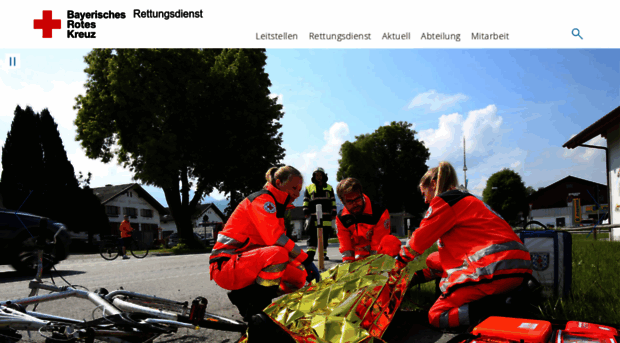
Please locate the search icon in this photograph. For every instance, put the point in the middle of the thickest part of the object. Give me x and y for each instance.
(576, 33)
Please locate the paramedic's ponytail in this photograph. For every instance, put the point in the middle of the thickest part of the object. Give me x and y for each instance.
(446, 178)
(284, 174)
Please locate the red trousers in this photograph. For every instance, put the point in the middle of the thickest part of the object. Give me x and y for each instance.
(267, 266)
(453, 310)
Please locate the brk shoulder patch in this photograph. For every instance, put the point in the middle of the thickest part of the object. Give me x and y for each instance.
(269, 207)
(428, 212)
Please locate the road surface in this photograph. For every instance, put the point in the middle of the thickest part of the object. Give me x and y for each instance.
(181, 278)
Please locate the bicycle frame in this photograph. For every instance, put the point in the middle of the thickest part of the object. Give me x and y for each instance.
(61, 293)
(152, 321)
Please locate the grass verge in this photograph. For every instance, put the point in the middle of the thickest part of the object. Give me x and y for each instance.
(595, 289)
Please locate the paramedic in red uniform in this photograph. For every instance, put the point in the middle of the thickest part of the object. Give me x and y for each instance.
(361, 224)
(478, 254)
(253, 257)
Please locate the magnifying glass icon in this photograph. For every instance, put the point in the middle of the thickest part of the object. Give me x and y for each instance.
(576, 33)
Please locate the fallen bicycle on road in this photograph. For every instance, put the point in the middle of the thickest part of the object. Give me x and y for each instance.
(124, 316)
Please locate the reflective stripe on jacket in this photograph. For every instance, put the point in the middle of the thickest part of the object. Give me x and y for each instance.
(257, 221)
(314, 195)
(360, 235)
(475, 243)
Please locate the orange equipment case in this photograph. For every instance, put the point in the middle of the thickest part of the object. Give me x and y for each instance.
(513, 329)
(590, 330)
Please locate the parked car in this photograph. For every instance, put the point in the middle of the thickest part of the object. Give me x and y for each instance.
(173, 239)
(18, 233)
(209, 231)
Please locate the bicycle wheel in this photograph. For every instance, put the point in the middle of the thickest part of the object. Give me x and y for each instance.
(108, 250)
(139, 249)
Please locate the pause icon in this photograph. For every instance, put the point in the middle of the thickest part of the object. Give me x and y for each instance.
(12, 61)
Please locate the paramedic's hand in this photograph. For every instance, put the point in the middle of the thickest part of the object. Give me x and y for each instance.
(312, 270)
(400, 264)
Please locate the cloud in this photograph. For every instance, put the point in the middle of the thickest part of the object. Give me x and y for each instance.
(583, 154)
(484, 134)
(335, 136)
(481, 129)
(479, 187)
(434, 101)
(279, 98)
(60, 100)
(325, 156)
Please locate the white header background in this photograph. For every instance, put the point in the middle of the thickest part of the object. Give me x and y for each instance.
(530, 24)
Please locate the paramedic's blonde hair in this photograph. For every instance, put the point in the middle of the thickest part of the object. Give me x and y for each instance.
(444, 175)
(284, 174)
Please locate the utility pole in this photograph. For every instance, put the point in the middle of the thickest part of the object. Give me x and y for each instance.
(464, 163)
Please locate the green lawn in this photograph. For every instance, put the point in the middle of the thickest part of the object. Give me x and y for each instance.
(595, 295)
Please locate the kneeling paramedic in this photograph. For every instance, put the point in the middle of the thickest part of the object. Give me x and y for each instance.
(478, 255)
(253, 257)
(361, 224)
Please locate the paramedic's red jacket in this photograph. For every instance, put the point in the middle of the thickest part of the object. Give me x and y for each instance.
(360, 235)
(257, 221)
(475, 243)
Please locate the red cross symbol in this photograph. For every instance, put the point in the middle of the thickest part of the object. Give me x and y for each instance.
(47, 24)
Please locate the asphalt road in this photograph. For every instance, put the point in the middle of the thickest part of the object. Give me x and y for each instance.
(180, 278)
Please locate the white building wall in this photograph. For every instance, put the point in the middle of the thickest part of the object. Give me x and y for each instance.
(552, 220)
(548, 215)
(613, 151)
(297, 226)
(213, 217)
(132, 199)
(169, 226)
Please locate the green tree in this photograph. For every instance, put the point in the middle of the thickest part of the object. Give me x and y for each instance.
(529, 191)
(69, 203)
(35, 141)
(506, 193)
(22, 163)
(389, 162)
(182, 120)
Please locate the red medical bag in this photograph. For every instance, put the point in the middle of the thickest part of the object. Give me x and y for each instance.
(582, 332)
(504, 330)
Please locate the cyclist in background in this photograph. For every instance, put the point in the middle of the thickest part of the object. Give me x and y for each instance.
(125, 229)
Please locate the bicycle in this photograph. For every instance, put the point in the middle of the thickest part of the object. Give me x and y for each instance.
(111, 247)
(126, 317)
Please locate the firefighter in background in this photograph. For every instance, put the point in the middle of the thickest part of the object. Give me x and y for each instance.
(361, 224)
(319, 192)
(479, 254)
(253, 257)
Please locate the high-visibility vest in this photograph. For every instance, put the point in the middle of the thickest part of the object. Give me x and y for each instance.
(324, 195)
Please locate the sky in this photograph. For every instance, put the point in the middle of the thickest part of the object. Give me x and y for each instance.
(515, 108)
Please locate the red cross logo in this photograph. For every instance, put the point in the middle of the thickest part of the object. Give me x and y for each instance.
(47, 24)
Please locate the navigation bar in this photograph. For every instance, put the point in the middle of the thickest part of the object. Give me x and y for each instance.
(324, 24)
